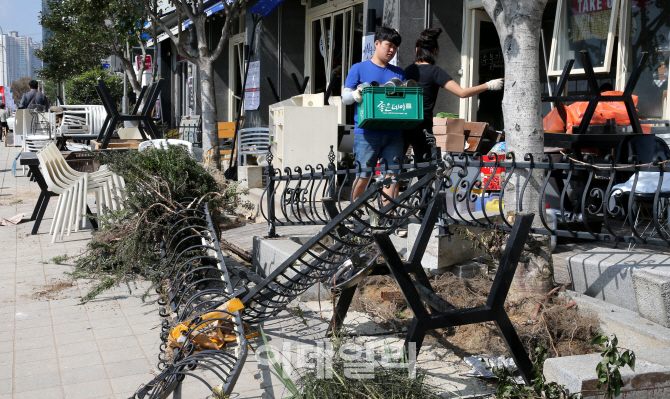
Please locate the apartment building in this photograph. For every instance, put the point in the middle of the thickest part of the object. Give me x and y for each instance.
(17, 57)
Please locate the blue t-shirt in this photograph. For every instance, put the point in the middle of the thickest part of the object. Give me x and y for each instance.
(368, 71)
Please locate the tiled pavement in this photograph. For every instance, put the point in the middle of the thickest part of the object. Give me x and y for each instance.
(51, 346)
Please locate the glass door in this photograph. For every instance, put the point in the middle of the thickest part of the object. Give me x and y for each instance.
(335, 42)
(236, 64)
(486, 63)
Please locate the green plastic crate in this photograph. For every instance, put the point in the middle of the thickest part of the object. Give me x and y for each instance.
(391, 107)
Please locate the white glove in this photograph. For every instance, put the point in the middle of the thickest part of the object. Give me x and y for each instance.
(357, 95)
(495, 84)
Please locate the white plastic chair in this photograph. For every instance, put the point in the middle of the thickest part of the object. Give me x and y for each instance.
(252, 141)
(163, 143)
(73, 186)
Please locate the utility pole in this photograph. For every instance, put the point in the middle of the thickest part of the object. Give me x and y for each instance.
(124, 99)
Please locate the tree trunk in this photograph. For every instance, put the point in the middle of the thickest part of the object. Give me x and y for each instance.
(518, 25)
(210, 135)
(135, 84)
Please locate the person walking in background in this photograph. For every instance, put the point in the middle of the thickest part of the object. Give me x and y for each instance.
(34, 99)
(431, 78)
(373, 144)
(4, 128)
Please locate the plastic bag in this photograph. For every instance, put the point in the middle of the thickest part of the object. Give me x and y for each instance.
(211, 337)
(553, 123)
(604, 110)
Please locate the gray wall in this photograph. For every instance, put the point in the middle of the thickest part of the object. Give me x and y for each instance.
(220, 72)
(449, 17)
(265, 50)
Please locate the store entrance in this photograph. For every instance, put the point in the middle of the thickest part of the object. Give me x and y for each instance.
(332, 54)
(487, 64)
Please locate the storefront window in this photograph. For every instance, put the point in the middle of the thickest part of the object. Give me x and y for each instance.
(649, 31)
(584, 25)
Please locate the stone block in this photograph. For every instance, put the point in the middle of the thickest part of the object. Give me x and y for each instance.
(445, 251)
(268, 254)
(469, 269)
(651, 378)
(250, 176)
(633, 331)
(652, 293)
(606, 274)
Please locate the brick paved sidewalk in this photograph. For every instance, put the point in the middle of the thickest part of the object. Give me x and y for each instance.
(54, 347)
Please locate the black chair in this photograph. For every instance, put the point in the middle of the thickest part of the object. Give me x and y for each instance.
(146, 101)
(646, 148)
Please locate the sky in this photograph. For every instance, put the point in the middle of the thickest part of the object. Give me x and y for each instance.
(21, 16)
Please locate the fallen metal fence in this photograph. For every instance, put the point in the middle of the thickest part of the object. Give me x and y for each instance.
(193, 285)
(613, 202)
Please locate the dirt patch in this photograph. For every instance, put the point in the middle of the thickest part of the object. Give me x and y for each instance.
(52, 290)
(561, 328)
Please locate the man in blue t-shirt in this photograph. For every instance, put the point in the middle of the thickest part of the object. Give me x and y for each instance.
(372, 144)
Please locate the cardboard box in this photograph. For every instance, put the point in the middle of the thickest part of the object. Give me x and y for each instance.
(448, 126)
(473, 134)
(450, 142)
(475, 128)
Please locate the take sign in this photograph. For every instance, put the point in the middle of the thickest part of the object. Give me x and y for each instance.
(147, 62)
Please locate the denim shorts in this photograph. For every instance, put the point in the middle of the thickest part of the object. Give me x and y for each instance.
(371, 147)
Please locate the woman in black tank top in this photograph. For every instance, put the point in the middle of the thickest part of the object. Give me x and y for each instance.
(431, 78)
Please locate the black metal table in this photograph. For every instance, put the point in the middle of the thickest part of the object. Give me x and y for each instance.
(30, 159)
(578, 142)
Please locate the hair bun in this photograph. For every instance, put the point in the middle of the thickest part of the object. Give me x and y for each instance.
(431, 34)
(427, 45)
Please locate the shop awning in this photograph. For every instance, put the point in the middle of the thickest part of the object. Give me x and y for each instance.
(218, 6)
(265, 7)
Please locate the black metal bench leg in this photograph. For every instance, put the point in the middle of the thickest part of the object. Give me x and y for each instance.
(341, 309)
(38, 205)
(89, 215)
(416, 334)
(515, 346)
(417, 331)
(40, 214)
(423, 237)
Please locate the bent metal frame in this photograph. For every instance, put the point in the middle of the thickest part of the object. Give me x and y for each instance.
(348, 235)
(146, 100)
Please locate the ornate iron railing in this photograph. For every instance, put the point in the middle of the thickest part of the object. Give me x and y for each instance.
(587, 197)
(193, 282)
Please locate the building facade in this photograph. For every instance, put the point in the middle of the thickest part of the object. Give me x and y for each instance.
(321, 39)
(18, 58)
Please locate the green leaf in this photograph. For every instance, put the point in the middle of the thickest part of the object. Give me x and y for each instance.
(598, 339)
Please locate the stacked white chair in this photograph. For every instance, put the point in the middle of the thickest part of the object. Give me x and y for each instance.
(252, 141)
(163, 143)
(73, 187)
(37, 131)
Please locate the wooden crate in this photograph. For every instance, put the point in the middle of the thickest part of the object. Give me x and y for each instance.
(117, 144)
